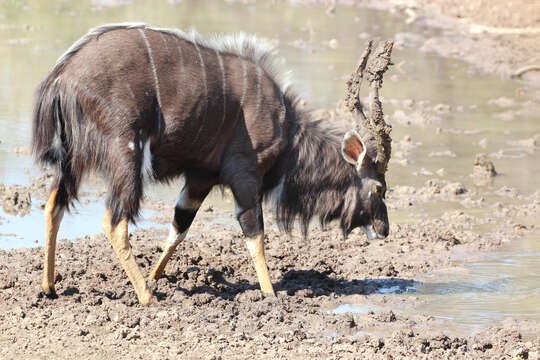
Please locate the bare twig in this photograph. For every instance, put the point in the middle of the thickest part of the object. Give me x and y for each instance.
(525, 69)
(479, 29)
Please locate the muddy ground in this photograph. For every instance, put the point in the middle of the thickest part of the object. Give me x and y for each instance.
(209, 302)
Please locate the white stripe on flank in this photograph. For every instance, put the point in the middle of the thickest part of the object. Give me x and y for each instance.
(259, 97)
(246, 46)
(143, 34)
(196, 138)
(164, 41)
(244, 88)
(223, 87)
(203, 70)
(180, 58)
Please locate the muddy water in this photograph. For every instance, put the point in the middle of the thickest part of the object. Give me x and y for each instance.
(470, 296)
(499, 285)
(321, 51)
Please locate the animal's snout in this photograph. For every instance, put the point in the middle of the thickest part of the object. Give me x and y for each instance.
(381, 228)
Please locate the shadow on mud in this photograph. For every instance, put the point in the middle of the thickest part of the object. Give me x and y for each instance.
(308, 283)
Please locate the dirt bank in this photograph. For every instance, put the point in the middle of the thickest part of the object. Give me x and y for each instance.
(497, 36)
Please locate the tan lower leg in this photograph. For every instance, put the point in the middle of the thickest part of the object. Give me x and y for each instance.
(163, 260)
(170, 246)
(53, 216)
(256, 250)
(119, 238)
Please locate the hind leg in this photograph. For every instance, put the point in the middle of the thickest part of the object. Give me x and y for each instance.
(123, 201)
(119, 237)
(186, 207)
(54, 211)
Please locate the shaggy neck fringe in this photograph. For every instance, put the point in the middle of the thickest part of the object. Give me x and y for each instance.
(315, 180)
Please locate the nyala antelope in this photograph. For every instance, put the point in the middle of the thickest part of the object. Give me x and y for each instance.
(139, 104)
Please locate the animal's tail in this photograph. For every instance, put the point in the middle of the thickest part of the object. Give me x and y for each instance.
(55, 109)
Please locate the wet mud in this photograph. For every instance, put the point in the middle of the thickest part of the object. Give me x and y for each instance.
(210, 305)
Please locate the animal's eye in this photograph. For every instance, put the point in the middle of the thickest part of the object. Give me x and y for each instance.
(377, 189)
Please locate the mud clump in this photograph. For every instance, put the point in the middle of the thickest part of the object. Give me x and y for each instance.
(484, 170)
(16, 199)
(440, 189)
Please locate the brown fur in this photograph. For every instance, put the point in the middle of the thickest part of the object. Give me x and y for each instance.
(111, 93)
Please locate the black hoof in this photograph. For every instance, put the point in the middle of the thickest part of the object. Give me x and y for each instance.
(50, 294)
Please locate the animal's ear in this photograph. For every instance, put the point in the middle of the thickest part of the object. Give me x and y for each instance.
(353, 148)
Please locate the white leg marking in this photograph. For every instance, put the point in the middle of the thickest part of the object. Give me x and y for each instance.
(184, 201)
(152, 64)
(244, 88)
(146, 168)
(175, 237)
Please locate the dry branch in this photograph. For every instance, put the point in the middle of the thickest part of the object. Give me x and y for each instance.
(525, 69)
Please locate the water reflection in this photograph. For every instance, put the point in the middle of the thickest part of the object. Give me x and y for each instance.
(503, 285)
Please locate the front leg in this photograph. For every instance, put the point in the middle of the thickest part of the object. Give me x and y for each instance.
(251, 222)
(184, 213)
(189, 202)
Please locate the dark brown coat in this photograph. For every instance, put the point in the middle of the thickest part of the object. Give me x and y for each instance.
(134, 102)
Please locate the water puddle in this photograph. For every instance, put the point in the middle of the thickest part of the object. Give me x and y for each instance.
(472, 295)
(27, 231)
